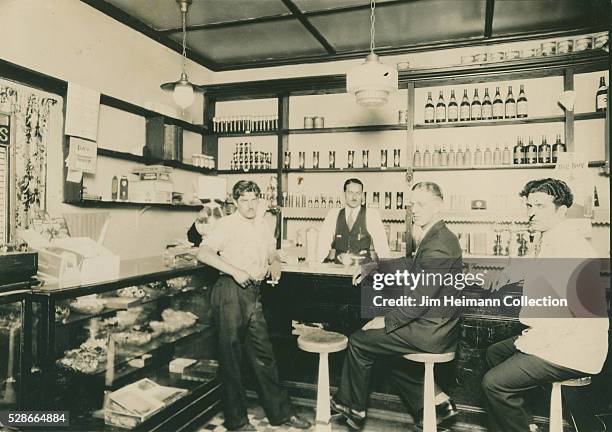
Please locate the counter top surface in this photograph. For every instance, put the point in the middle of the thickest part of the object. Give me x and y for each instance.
(327, 269)
(136, 271)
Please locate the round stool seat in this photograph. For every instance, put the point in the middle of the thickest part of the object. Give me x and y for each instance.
(577, 382)
(322, 342)
(430, 358)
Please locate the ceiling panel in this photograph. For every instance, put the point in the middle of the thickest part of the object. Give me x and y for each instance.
(164, 14)
(403, 24)
(520, 16)
(262, 41)
(316, 5)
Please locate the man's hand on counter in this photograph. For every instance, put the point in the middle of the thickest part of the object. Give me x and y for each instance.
(376, 323)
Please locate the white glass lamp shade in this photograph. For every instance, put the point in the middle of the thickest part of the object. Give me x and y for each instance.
(371, 82)
(183, 95)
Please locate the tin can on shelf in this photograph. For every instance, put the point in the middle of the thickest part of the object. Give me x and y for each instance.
(549, 48)
(332, 159)
(583, 43)
(308, 122)
(512, 55)
(319, 122)
(565, 46)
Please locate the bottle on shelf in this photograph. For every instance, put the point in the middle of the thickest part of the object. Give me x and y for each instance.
(497, 155)
(601, 97)
(478, 156)
(332, 159)
(123, 188)
(506, 156)
(396, 158)
(595, 197)
(488, 156)
(453, 109)
(510, 104)
(487, 106)
(498, 105)
(435, 158)
(441, 109)
(460, 157)
(427, 158)
(464, 111)
(531, 152)
(387, 200)
(350, 158)
(544, 151)
(417, 159)
(467, 157)
(315, 159)
(476, 108)
(114, 188)
(521, 103)
(452, 157)
(518, 152)
(429, 109)
(557, 148)
(444, 157)
(287, 160)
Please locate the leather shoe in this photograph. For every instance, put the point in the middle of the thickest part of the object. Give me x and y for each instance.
(353, 419)
(444, 411)
(297, 422)
(247, 427)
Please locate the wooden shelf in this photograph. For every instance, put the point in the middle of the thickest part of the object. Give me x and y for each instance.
(590, 115)
(245, 134)
(501, 122)
(340, 129)
(128, 204)
(148, 161)
(258, 171)
(338, 170)
(484, 168)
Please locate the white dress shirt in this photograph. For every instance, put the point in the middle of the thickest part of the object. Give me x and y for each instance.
(576, 343)
(374, 226)
(244, 243)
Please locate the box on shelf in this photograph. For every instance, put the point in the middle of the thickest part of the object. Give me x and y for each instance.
(153, 172)
(163, 141)
(151, 191)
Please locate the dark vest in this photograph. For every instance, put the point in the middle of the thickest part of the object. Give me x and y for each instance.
(356, 241)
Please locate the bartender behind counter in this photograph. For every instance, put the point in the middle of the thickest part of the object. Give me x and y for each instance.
(353, 229)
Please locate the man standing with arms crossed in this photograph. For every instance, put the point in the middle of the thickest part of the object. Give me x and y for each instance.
(242, 247)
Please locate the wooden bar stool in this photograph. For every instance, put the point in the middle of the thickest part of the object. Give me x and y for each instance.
(323, 342)
(430, 423)
(556, 405)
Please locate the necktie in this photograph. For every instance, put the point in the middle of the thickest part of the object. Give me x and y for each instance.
(351, 220)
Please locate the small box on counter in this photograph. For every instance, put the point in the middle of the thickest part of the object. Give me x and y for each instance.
(178, 365)
(151, 191)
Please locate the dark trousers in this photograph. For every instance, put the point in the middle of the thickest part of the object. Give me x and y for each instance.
(240, 323)
(513, 372)
(363, 349)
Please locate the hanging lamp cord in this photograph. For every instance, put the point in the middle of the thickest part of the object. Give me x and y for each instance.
(372, 22)
(184, 16)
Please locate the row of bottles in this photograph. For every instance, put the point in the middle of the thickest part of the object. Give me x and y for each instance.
(120, 188)
(321, 201)
(351, 159)
(467, 157)
(475, 109)
(245, 123)
(245, 158)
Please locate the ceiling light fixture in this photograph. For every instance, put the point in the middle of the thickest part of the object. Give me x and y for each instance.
(182, 90)
(372, 81)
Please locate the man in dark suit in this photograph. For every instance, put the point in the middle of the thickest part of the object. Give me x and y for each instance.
(407, 330)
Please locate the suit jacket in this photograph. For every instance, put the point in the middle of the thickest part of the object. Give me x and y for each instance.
(432, 329)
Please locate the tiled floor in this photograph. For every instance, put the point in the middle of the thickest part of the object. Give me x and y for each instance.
(258, 419)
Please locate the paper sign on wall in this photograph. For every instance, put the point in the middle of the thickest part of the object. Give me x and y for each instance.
(82, 109)
(82, 155)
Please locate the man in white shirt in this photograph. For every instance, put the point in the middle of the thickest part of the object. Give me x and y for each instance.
(242, 247)
(550, 349)
(353, 229)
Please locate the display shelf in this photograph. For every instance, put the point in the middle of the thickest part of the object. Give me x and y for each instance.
(316, 214)
(332, 170)
(150, 161)
(253, 171)
(500, 122)
(343, 129)
(590, 115)
(76, 317)
(246, 134)
(592, 164)
(129, 204)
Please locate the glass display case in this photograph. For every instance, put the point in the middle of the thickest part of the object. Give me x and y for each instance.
(136, 352)
(15, 343)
